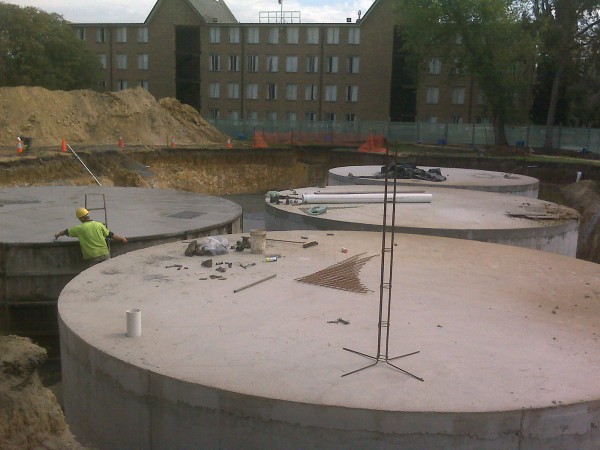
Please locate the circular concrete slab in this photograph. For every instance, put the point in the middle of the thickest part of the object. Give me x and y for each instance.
(35, 267)
(465, 214)
(479, 180)
(507, 340)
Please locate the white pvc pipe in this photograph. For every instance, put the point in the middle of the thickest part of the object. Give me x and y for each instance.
(134, 322)
(365, 198)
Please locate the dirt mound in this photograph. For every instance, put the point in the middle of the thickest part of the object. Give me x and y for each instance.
(86, 117)
(30, 416)
(584, 196)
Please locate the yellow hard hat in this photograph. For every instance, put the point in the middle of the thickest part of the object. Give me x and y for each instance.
(81, 212)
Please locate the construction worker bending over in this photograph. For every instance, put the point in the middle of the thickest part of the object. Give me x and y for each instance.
(92, 237)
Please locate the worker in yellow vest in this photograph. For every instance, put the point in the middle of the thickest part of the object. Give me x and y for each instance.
(92, 237)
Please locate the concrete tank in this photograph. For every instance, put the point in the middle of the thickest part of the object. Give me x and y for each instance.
(34, 267)
(479, 180)
(507, 340)
(457, 213)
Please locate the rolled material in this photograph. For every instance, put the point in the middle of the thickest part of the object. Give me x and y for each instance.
(134, 322)
(365, 198)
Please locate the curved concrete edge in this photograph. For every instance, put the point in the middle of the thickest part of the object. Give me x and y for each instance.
(530, 190)
(48, 267)
(139, 407)
(561, 238)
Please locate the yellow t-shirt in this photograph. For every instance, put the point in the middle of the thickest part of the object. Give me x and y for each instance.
(92, 238)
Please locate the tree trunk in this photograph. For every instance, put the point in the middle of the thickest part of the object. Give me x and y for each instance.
(552, 108)
(499, 130)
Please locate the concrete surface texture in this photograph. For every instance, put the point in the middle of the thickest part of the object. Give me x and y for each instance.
(34, 267)
(507, 340)
(465, 214)
(479, 180)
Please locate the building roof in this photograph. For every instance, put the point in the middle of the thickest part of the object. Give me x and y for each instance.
(209, 10)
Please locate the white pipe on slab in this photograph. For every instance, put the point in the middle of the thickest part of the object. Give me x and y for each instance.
(365, 198)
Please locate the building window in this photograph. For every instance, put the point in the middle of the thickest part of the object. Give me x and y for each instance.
(234, 63)
(271, 115)
(122, 84)
(291, 64)
(331, 93)
(143, 84)
(122, 34)
(433, 95)
(273, 37)
(457, 119)
(291, 92)
(252, 91)
(353, 63)
(271, 91)
(143, 61)
(458, 96)
(353, 35)
(310, 92)
(330, 117)
(102, 59)
(481, 98)
(332, 64)
(435, 66)
(350, 117)
(292, 35)
(234, 35)
(251, 115)
(272, 63)
(291, 116)
(333, 35)
(214, 34)
(121, 61)
(312, 35)
(431, 119)
(101, 35)
(310, 116)
(213, 113)
(142, 35)
(352, 93)
(214, 90)
(80, 33)
(312, 64)
(234, 115)
(103, 84)
(253, 34)
(233, 90)
(252, 63)
(214, 63)
(458, 68)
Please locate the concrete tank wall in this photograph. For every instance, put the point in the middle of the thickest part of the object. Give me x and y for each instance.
(461, 214)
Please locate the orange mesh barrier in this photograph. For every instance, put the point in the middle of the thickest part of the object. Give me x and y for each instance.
(259, 140)
(375, 144)
(295, 137)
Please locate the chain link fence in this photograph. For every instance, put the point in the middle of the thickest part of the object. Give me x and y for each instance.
(584, 140)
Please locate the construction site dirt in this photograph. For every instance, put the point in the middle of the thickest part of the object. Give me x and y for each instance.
(197, 160)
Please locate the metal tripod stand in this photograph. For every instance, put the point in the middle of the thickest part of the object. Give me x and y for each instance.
(385, 286)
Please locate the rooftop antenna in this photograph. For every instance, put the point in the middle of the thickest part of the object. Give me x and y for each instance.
(359, 13)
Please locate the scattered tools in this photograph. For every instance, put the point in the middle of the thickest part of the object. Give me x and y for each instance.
(304, 244)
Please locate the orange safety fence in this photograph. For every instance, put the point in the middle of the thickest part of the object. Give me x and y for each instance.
(375, 144)
(337, 138)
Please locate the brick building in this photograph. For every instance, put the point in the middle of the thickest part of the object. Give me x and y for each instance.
(197, 51)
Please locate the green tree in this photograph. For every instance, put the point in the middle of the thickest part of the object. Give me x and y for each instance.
(568, 32)
(41, 49)
(490, 39)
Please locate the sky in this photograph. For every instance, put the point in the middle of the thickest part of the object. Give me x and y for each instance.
(136, 11)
